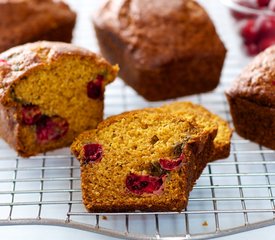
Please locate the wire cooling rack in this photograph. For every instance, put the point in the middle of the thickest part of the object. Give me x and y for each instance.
(232, 195)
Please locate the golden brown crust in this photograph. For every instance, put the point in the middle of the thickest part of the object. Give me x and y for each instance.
(32, 20)
(256, 82)
(156, 61)
(253, 121)
(143, 25)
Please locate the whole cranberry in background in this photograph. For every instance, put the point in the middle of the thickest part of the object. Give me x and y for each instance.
(31, 114)
(140, 184)
(266, 26)
(249, 31)
(95, 87)
(266, 42)
(258, 33)
(51, 128)
(92, 152)
(263, 3)
(252, 49)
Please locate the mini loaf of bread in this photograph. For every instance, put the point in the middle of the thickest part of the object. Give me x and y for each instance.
(23, 21)
(49, 93)
(252, 100)
(166, 49)
(142, 160)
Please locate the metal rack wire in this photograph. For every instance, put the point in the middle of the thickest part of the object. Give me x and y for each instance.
(232, 195)
(46, 190)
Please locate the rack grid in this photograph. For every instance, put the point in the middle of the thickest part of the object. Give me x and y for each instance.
(232, 195)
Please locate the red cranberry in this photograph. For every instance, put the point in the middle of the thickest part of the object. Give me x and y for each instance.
(31, 114)
(171, 164)
(252, 49)
(249, 31)
(140, 184)
(51, 128)
(273, 83)
(263, 3)
(266, 42)
(267, 26)
(92, 152)
(94, 87)
(258, 32)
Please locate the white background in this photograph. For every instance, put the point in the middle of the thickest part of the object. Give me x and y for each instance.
(84, 36)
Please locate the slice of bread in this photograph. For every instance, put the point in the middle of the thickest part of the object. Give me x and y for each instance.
(204, 117)
(142, 160)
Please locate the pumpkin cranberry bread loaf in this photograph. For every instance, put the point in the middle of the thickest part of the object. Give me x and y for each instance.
(24, 21)
(252, 100)
(49, 93)
(142, 160)
(204, 117)
(166, 49)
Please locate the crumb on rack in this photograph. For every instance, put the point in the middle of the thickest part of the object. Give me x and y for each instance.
(205, 224)
(104, 218)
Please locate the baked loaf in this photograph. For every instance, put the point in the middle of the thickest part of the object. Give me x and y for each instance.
(23, 21)
(166, 49)
(252, 100)
(142, 160)
(49, 93)
(204, 117)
